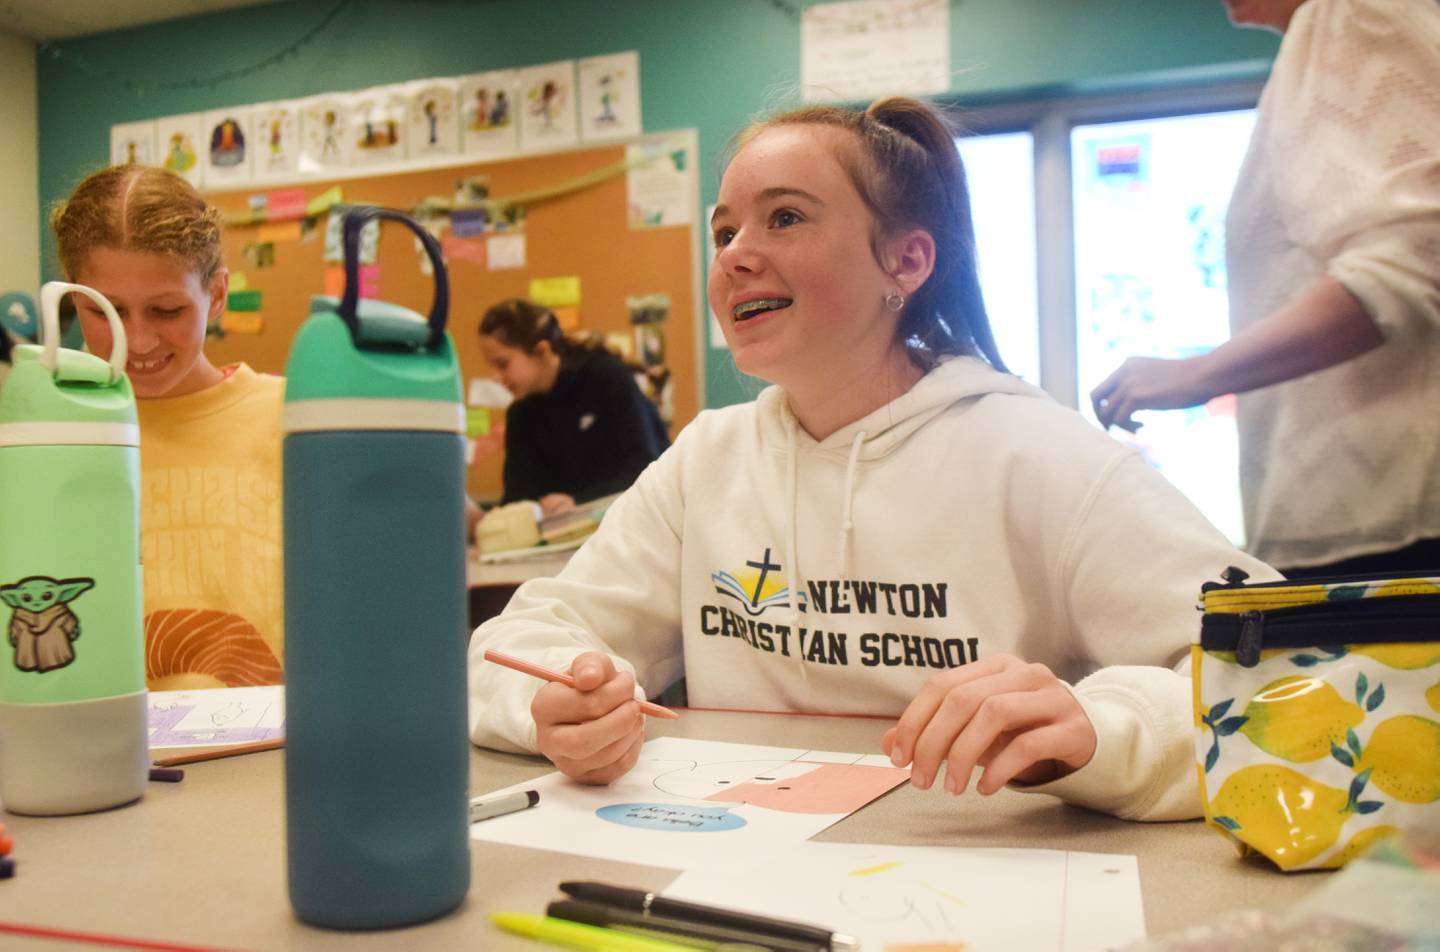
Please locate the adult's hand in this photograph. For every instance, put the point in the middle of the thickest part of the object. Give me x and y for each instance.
(1017, 720)
(591, 732)
(1147, 383)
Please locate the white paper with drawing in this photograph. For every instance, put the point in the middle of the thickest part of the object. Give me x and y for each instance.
(976, 899)
(690, 802)
(216, 716)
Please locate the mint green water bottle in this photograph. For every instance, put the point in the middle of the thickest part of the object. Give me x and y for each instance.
(72, 683)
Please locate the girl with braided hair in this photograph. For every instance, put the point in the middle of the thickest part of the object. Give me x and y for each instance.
(209, 435)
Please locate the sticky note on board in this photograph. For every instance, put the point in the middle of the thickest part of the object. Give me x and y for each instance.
(286, 204)
(242, 301)
(275, 231)
(369, 280)
(505, 251)
(238, 281)
(556, 292)
(477, 421)
(469, 222)
(334, 281)
(322, 202)
(463, 249)
(243, 322)
(569, 318)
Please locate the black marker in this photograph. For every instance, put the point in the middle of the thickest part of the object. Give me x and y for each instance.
(670, 929)
(652, 904)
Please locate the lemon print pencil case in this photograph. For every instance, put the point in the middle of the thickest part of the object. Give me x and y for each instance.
(1317, 713)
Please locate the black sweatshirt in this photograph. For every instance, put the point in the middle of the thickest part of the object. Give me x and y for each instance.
(588, 437)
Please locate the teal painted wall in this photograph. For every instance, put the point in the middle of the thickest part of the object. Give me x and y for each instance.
(705, 64)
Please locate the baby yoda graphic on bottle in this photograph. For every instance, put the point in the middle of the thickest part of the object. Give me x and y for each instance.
(42, 625)
(73, 727)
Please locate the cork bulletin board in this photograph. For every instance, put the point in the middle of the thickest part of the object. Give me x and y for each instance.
(585, 233)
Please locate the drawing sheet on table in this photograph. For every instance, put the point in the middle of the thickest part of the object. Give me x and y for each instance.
(690, 802)
(976, 899)
(215, 716)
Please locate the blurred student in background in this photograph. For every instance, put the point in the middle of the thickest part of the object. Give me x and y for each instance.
(579, 428)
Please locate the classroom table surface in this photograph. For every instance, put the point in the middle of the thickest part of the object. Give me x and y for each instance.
(202, 862)
(512, 573)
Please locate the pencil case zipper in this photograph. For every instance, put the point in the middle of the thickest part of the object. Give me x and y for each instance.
(1393, 619)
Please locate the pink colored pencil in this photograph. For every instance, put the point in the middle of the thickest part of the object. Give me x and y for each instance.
(534, 670)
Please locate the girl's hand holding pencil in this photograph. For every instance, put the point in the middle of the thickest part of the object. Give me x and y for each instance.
(588, 723)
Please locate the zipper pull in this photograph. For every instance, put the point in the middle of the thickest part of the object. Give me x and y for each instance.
(1232, 577)
(1247, 646)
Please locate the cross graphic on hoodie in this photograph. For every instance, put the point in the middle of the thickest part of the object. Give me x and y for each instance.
(764, 565)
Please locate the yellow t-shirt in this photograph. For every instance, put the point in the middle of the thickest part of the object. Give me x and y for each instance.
(210, 534)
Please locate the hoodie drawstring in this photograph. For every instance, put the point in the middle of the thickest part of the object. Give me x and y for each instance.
(847, 525)
(793, 568)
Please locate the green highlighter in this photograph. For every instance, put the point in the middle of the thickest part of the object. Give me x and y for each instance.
(575, 935)
(73, 726)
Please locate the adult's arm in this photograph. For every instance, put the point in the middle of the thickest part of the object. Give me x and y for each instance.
(1323, 326)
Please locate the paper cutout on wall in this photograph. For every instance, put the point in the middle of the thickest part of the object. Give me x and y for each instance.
(275, 141)
(658, 192)
(378, 125)
(434, 120)
(609, 96)
(324, 134)
(547, 99)
(488, 114)
(132, 143)
(178, 141)
(228, 147)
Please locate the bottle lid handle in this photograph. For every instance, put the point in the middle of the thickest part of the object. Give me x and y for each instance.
(356, 220)
(50, 295)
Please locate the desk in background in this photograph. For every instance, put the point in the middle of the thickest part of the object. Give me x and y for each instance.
(203, 861)
(492, 583)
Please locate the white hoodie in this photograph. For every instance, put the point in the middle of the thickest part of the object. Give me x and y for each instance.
(971, 516)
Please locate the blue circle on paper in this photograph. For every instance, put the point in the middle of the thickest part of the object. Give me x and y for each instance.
(675, 817)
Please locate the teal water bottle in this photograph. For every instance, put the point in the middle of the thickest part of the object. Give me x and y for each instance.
(72, 684)
(376, 749)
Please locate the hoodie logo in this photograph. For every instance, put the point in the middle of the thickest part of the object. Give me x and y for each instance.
(586, 422)
(757, 586)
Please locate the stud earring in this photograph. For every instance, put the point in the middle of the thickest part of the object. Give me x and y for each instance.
(894, 300)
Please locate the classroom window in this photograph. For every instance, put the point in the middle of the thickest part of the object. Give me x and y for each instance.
(1001, 173)
(1149, 200)
(1100, 226)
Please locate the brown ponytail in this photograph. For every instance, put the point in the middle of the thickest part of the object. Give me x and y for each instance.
(522, 324)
